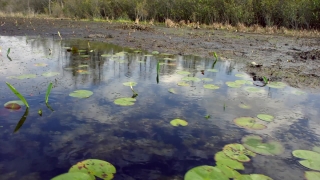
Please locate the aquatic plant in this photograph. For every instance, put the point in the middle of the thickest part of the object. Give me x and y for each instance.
(131, 83)
(182, 83)
(20, 96)
(8, 52)
(59, 35)
(229, 172)
(238, 152)
(210, 86)
(205, 172)
(312, 175)
(50, 74)
(265, 117)
(173, 91)
(124, 101)
(254, 143)
(222, 158)
(207, 79)
(178, 122)
(13, 106)
(183, 72)
(73, 175)
(207, 116)
(81, 93)
(253, 177)
(249, 123)
(233, 84)
(195, 79)
(40, 112)
(310, 160)
(22, 120)
(277, 85)
(155, 52)
(265, 80)
(48, 92)
(244, 106)
(158, 70)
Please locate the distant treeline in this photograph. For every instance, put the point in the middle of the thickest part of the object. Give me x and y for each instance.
(288, 13)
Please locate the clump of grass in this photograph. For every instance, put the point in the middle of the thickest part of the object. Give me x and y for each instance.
(241, 27)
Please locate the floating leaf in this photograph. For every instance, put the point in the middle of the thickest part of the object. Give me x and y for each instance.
(166, 54)
(81, 94)
(254, 143)
(205, 173)
(50, 74)
(191, 79)
(207, 79)
(95, 167)
(237, 152)
(210, 86)
(253, 89)
(170, 59)
(155, 52)
(83, 65)
(25, 76)
(106, 55)
(182, 83)
(297, 92)
(16, 92)
(125, 101)
(241, 82)
(131, 83)
(73, 176)
(40, 112)
(277, 85)
(240, 75)
(137, 51)
(19, 102)
(233, 84)
(148, 55)
(312, 175)
(173, 91)
(84, 55)
(316, 149)
(253, 177)
(221, 158)
(213, 70)
(244, 106)
(177, 122)
(207, 116)
(41, 64)
(265, 117)
(230, 173)
(13, 106)
(249, 123)
(183, 72)
(311, 159)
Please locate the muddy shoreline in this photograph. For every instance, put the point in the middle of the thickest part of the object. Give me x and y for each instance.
(293, 60)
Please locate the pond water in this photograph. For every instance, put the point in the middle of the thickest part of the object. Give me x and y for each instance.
(139, 139)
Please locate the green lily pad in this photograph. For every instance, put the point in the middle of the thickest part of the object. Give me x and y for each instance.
(249, 123)
(74, 176)
(177, 122)
(210, 86)
(207, 79)
(125, 101)
(183, 72)
(84, 55)
(238, 152)
(316, 149)
(229, 172)
(182, 83)
(41, 64)
(311, 159)
(277, 85)
(155, 52)
(170, 59)
(253, 89)
(50, 74)
(95, 167)
(241, 82)
(137, 51)
(240, 75)
(25, 76)
(244, 106)
(83, 65)
(254, 143)
(191, 79)
(12, 106)
(131, 83)
(81, 94)
(249, 82)
(212, 70)
(148, 55)
(16, 102)
(297, 92)
(173, 91)
(106, 55)
(253, 177)
(162, 63)
(265, 117)
(205, 173)
(233, 84)
(222, 158)
(165, 54)
(312, 175)
(82, 50)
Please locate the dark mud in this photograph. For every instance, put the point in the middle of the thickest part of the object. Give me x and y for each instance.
(293, 60)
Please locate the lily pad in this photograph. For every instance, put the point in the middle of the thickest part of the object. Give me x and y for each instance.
(241, 82)
(233, 84)
(311, 159)
(240, 75)
(265, 117)
(148, 55)
(81, 71)
(137, 51)
(173, 91)
(131, 83)
(74, 176)
(229, 172)
(81, 94)
(312, 175)
(50, 74)
(191, 79)
(183, 72)
(254, 143)
(155, 52)
(106, 55)
(170, 59)
(238, 152)
(177, 122)
(83, 65)
(205, 173)
(244, 106)
(95, 167)
(253, 177)
(84, 55)
(249, 123)
(16, 102)
(207, 79)
(41, 64)
(316, 149)
(253, 89)
(277, 85)
(222, 158)
(182, 83)
(213, 70)
(25, 76)
(210, 86)
(125, 101)
(13, 106)
(297, 92)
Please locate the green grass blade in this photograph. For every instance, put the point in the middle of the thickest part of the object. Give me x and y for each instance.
(48, 92)
(22, 120)
(158, 70)
(215, 55)
(8, 52)
(18, 94)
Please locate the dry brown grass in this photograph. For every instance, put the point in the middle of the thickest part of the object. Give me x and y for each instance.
(241, 27)
(256, 28)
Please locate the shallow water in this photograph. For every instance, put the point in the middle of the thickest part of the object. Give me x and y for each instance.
(139, 140)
